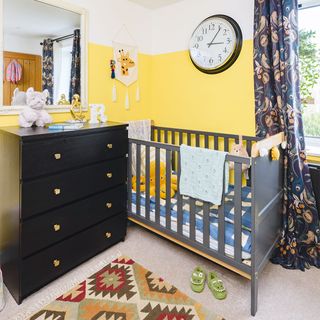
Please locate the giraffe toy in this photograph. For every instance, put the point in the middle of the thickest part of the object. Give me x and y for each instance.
(126, 62)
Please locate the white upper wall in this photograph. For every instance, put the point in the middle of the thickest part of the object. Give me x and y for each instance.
(163, 30)
(173, 25)
(30, 45)
(107, 17)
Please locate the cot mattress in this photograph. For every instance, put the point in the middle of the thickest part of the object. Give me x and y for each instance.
(213, 218)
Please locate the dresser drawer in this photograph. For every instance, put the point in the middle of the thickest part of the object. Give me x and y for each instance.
(49, 264)
(56, 225)
(54, 191)
(54, 155)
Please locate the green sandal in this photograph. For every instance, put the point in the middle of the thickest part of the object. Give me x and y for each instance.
(198, 278)
(216, 286)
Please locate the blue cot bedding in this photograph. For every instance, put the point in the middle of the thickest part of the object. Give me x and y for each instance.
(229, 218)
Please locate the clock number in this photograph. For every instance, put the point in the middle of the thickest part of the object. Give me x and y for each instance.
(212, 26)
(220, 57)
(200, 38)
(204, 30)
(225, 50)
(224, 32)
(196, 46)
(228, 40)
(211, 61)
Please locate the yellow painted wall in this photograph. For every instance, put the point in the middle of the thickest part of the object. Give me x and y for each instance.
(184, 97)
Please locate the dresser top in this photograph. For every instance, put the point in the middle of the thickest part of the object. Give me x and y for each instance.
(37, 132)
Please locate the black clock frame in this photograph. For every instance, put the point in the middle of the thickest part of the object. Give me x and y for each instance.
(233, 58)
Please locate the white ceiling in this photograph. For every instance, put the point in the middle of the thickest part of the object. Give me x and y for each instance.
(154, 4)
(30, 18)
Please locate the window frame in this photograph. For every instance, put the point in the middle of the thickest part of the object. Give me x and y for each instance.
(312, 143)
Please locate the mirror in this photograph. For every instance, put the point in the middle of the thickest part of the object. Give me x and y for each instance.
(43, 47)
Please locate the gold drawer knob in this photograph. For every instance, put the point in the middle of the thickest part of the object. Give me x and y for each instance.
(109, 146)
(57, 227)
(109, 205)
(57, 156)
(108, 235)
(57, 191)
(109, 175)
(56, 263)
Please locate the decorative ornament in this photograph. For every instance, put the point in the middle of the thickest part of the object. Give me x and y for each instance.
(63, 100)
(76, 109)
(113, 77)
(113, 69)
(97, 114)
(126, 63)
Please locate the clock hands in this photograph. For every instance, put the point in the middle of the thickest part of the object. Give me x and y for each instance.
(210, 44)
(214, 38)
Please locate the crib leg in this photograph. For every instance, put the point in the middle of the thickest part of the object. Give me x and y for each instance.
(254, 294)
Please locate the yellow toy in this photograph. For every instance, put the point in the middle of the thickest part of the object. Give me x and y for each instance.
(275, 154)
(163, 194)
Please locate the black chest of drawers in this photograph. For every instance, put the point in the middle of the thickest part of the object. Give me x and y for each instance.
(63, 200)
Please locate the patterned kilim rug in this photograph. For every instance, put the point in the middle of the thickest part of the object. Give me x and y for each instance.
(124, 290)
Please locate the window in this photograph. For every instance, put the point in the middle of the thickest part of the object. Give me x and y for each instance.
(309, 30)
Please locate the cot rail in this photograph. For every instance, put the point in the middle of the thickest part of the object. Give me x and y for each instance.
(154, 207)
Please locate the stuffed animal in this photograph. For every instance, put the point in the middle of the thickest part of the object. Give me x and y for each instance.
(34, 112)
(163, 188)
(19, 98)
(240, 151)
(275, 154)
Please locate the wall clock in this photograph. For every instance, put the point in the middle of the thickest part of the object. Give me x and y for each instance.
(215, 44)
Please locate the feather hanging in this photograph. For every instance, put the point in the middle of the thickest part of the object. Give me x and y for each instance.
(127, 102)
(114, 93)
(138, 94)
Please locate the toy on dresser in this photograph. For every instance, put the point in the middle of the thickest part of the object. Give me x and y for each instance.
(34, 113)
(97, 114)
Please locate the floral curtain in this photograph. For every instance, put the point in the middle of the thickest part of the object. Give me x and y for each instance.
(75, 82)
(47, 68)
(278, 109)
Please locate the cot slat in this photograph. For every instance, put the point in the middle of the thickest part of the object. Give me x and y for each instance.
(147, 182)
(157, 186)
(197, 140)
(206, 224)
(216, 142)
(192, 204)
(221, 223)
(173, 137)
(130, 178)
(180, 138)
(179, 201)
(237, 211)
(165, 136)
(138, 181)
(249, 146)
(206, 141)
(168, 189)
(189, 139)
(152, 133)
(226, 144)
(173, 141)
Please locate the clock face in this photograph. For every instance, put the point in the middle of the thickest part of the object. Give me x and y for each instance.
(215, 44)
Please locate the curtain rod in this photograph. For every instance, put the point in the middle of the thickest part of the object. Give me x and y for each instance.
(68, 36)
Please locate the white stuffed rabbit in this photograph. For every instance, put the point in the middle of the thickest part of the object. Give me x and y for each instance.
(34, 112)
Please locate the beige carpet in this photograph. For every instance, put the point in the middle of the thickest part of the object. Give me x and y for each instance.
(283, 294)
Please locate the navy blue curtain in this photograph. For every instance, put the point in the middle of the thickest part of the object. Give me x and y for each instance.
(47, 68)
(278, 109)
(75, 79)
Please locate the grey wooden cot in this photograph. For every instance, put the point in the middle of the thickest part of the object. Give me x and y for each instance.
(265, 182)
